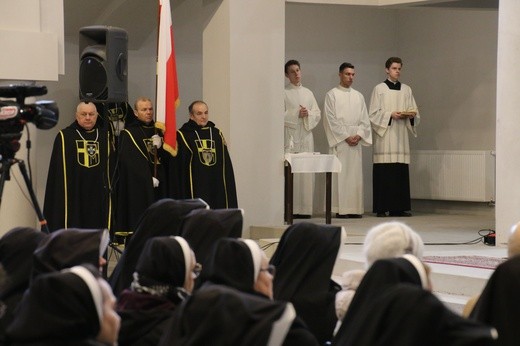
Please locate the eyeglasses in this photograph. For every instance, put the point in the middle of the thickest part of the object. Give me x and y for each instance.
(271, 269)
(197, 269)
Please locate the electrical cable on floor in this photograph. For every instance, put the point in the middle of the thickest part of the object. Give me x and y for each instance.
(487, 238)
(267, 246)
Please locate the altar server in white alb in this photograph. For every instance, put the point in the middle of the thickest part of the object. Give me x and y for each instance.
(348, 129)
(302, 114)
(393, 114)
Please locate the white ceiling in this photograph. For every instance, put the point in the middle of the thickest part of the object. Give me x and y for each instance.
(468, 4)
(137, 17)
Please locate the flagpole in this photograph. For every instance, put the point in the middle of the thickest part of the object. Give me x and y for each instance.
(167, 89)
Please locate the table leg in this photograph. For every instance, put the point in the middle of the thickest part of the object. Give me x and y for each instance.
(328, 197)
(285, 188)
(288, 194)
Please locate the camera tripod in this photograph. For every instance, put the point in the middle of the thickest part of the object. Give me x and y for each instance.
(5, 168)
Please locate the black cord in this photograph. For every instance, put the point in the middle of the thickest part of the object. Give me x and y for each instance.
(480, 239)
(28, 146)
(267, 246)
(28, 160)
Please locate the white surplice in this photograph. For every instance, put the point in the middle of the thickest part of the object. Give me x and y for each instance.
(345, 115)
(391, 143)
(298, 138)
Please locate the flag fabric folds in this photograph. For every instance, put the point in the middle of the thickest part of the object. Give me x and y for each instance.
(167, 99)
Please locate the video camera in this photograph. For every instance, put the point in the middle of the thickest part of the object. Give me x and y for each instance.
(15, 114)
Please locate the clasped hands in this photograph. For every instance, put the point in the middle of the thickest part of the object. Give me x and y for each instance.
(353, 140)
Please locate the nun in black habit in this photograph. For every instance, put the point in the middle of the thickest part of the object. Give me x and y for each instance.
(16, 250)
(407, 315)
(203, 227)
(236, 263)
(499, 303)
(66, 248)
(164, 277)
(385, 273)
(73, 307)
(242, 265)
(304, 261)
(219, 315)
(163, 218)
(393, 306)
(382, 274)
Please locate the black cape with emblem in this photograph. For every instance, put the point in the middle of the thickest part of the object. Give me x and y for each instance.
(116, 115)
(78, 181)
(136, 167)
(202, 167)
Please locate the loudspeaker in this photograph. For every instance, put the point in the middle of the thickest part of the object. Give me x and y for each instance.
(103, 69)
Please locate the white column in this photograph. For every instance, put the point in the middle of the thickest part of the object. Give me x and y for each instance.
(243, 80)
(508, 124)
(32, 38)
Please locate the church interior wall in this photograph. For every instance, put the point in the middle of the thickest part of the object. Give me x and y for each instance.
(450, 62)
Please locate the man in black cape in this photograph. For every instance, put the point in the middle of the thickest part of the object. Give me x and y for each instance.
(141, 178)
(116, 115)
(202, 167)
(78, 181)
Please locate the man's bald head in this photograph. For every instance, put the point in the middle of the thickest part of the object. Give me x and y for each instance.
(513, 245)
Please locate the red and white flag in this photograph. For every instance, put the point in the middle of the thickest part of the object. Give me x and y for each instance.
(167, 87)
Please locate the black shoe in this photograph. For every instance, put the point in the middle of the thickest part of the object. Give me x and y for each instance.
(341, 216)
(301, 216)
(400, 213)
(381, 214)
(354, 216)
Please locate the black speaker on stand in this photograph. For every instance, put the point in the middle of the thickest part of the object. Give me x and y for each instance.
(103, 79)
(103, 70)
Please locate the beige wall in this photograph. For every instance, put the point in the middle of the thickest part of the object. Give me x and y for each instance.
(450, 61)
(508, 126)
